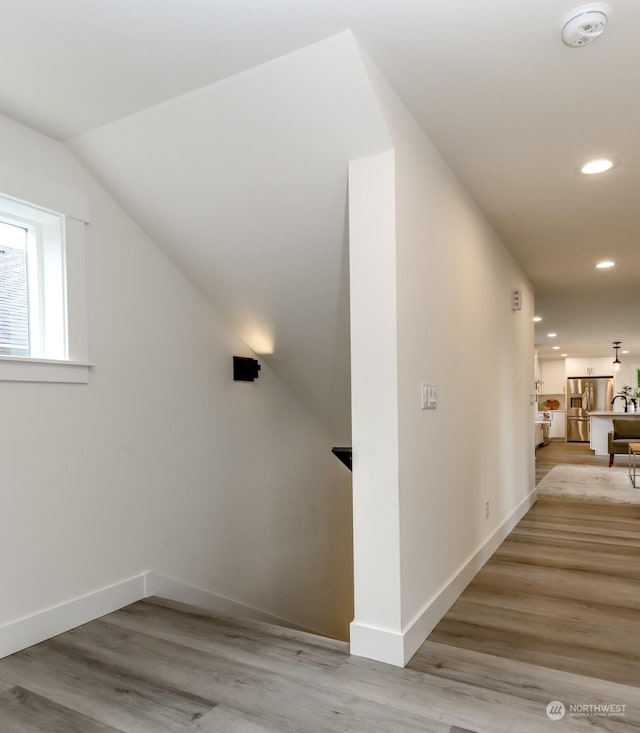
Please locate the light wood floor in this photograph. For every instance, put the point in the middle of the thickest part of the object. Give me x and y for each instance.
(552, 616)
(560, 452)
(159, 666)
(562, 592)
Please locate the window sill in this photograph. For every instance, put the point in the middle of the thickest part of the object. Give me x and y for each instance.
(23, 369)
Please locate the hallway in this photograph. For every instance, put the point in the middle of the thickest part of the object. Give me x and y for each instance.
(560, 593)
(560, 452)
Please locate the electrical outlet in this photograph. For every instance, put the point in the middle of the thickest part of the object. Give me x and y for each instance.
(486, 510)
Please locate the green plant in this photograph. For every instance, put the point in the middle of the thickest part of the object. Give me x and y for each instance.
(628, 392)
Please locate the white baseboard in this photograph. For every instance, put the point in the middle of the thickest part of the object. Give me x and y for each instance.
(391, 647)
(176, 590)
(371, 642)
(366, 641)
(40, 626)
(23, 633)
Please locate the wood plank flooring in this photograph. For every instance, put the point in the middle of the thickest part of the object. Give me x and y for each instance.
(559, 452)
(552, 616)
(562, 591)
(160, 666)
(22, 711)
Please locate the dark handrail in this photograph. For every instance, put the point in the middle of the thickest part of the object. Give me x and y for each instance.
(344, 455)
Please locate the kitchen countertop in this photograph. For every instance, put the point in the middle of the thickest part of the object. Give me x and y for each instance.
(601, 424)
(611, 413)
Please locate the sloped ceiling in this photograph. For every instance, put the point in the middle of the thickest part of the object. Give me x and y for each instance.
(513, 111)
(244, 184)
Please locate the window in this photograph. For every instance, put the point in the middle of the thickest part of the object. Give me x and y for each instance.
(14, 296)
(32, 302)
(42, 286)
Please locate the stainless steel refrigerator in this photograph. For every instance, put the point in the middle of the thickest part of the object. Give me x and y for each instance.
(584, 395)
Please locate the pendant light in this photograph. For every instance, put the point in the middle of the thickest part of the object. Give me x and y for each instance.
(616, 362)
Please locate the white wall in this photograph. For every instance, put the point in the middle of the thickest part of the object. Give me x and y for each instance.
(627, 376)
(162, 462)
(374, 397)
(244, 185)
(455, 329)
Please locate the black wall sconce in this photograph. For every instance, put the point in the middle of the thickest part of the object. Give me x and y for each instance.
(245, 369)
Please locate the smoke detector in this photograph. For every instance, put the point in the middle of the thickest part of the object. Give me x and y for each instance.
(584, 24)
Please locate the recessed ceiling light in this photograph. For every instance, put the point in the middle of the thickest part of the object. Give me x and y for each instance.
(564, 354)
(552, 335)
(605, 265)
(626, 351)
(537, 319)
(555, 347)
(598, 165)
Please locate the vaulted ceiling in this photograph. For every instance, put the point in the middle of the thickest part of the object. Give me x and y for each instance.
(244, 184)
(512, 109)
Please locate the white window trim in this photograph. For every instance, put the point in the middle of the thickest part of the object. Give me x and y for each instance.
(24, 369)
(73, 206)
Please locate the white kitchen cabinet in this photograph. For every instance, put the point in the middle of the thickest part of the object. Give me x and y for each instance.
(553, 376)
(558, 427)
(577, 367)
(600, 367)
(537, 435)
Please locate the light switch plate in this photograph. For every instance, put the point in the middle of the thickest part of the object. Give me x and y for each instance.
(429, 396)
(516, 299)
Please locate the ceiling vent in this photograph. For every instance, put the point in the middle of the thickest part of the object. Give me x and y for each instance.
(584, 24)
